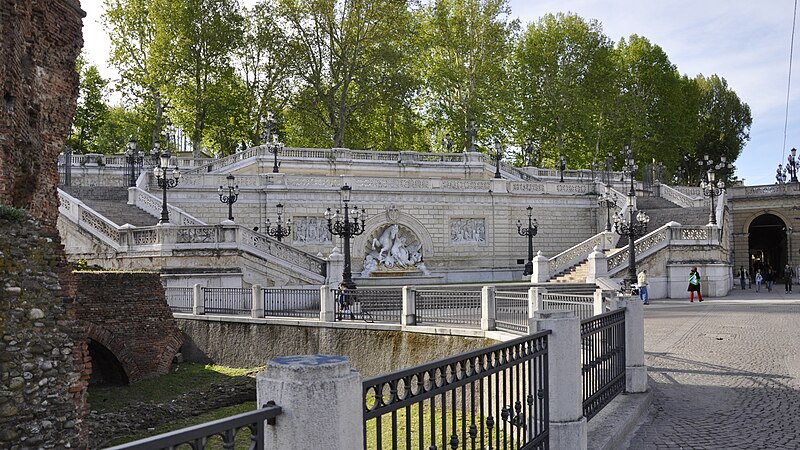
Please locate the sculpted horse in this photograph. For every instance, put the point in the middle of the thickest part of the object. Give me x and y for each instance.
(385, 241)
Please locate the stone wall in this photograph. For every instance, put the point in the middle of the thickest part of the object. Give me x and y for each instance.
(128, 315)
(39, 42)
(42, 354)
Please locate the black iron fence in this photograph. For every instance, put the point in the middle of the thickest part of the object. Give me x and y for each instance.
(370, 305)
(292, 303)
(180, 299)
(511, 311)
(221, 433)
(457, 307)
(602, 360)
(496, 397)
(235, 301)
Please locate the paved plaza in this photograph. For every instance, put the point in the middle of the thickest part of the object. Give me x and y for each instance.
(724, 373)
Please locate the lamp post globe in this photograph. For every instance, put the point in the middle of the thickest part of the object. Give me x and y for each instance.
(282, 228)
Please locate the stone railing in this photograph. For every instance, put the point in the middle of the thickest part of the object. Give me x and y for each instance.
(152, 205)
(77, 212)
(258, 243)
(680, 198)
(117, 161)
(580, 252)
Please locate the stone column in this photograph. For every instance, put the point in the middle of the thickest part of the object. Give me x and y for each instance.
(567, 423)
(488, 309)
(327, 304)
(598, 266)
(541, 268)
(635, 369)
(409, 316)
(257, 307)
(321, 400)
(198, 306)
(335, 268)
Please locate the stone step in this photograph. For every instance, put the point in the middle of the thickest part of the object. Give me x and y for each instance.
(695, 216)
(111, 203)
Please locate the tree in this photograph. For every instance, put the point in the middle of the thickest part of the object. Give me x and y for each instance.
(91, 111)
(564, 85)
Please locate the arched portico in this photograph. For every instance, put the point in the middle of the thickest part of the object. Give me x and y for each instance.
(767, 241)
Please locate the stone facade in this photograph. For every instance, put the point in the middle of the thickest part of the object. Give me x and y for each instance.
(127, 314)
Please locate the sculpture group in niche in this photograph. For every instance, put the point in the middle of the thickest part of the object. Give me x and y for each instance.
(394, 249)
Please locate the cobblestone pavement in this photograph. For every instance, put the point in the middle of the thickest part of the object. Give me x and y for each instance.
(724, 373)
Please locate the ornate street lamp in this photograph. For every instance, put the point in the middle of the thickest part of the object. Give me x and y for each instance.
(163, 172)
(710, 189)
(229, 195)
(531, 154)
(530, 231)
(472, 130)
(447, 142)
(135, 159)
(350, 226)
(780, 174)
(792, 164)
(274, 146)
(498, 155)
(282, 228)
(680, 175)
(636, 225)
(562, 165)
(608, 200)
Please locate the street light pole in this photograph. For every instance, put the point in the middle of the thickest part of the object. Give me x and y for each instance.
(135, 159)
(635, 226)
(472, 129)
(270, 139)
(792, 164)
(232, 194)
(498, 155)
(608, 200)
(347, 228)
(282, 228)
(711, 190)
(530, 231)
(562, 165)
(162, 172)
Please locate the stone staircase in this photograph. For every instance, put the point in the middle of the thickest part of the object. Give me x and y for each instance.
(576, 273)
(112, 203)
(662, 211)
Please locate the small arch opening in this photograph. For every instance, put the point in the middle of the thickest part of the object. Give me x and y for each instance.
(106, 368)
(767, 242)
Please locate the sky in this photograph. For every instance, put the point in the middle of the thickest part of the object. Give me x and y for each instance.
(744, 41)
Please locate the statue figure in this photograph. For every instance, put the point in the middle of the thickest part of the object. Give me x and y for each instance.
(385, 241)
(390, 250)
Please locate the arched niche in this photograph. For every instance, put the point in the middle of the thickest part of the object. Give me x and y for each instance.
(767, 242)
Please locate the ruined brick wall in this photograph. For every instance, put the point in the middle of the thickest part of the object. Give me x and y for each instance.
(42, 353)
(126, 312)
(39, 42)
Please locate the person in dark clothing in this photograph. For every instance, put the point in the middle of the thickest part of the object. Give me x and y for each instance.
(788, 274)
(769, 278)
(741, 277)
(694, 285)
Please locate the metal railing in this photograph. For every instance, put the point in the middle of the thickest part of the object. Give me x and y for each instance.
(198, 436)
(581, 305)
(235, 301)
(495, 397)
(180, 299)
(511, 311)
(602, 360)
(448, 307)
(370, 305)
(292, 303)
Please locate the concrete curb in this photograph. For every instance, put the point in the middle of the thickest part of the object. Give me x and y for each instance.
(613, 425)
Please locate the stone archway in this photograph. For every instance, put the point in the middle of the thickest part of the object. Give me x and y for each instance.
(106, 368)
(767, 242)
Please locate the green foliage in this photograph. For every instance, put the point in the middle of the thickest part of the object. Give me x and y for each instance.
(91, 112)
(11, 213)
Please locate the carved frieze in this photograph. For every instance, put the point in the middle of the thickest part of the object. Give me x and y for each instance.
(468, 231)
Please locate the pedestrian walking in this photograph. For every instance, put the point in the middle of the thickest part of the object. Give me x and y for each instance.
(741, 277)
(769, 278)
(749, 280)
(694, 285)
(788, 274)
(641, 281)
(759, 279)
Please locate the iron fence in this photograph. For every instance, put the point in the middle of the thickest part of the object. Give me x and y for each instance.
(496, 397)
(581, 305)
(448, 307)
(210, 434)
(235, 301)
(370, 305)
(291, 303)
(602, 360)
(180, 299)
(511, 311)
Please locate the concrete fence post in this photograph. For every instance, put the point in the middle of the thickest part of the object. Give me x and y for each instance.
(198, 306)
(335, 268)
(635, 369)
(321, 400)
(409, 316)
(599, 306)
(257, 307)
(535, 300)
(567, 423)
(597, 266)
(488, 309)
(541, 268)
(326, 304)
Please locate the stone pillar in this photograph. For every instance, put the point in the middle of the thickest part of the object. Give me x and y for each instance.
(321, 400)
(198, 306)
(327, 304)
(132, 194)
(335, 268)
(598, 302)
(257, 308)
(567, 423)
(535, 300)
(635, 369)
(409, 316)
(541, 269)
(488, 309)
(598, 266)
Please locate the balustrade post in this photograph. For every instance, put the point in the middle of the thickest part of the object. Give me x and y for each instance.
(132, 193)
(597, 266)
(598, 302)
(488, 308)
(541, 268)
(326, 304)
(409, 316)
(257, 306)
(198, 306)
(567, 427)
(535, 300)
(635, 369)
(335, 268)
(321, 400)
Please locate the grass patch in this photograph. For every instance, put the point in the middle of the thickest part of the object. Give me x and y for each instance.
(242, 438)
(184, 377)
(11, 213)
